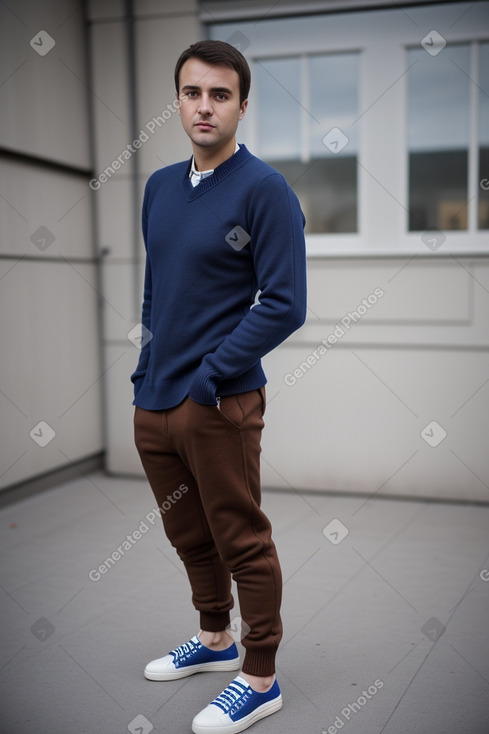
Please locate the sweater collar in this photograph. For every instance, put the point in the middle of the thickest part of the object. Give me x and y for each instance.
(220, 172)
(197, 176)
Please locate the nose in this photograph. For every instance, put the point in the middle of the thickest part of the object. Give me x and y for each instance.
(205, 106)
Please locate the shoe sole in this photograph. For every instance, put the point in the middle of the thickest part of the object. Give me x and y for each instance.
(266, 709)
(218, 666)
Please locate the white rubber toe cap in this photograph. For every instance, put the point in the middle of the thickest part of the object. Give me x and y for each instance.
(210, 719)
(161, 669)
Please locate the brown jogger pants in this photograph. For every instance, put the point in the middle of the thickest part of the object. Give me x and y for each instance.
(216, 525)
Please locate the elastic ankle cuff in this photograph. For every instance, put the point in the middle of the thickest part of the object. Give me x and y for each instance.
(214, 622)
(260, 661)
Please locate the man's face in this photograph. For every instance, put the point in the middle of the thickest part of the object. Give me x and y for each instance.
(210, 108)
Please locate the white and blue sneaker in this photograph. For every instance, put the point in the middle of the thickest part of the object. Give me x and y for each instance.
(192, 657)
(237, 708)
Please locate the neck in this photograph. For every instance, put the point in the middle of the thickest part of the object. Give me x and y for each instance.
(207, 158)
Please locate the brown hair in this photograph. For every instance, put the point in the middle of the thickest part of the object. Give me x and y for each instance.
(218, 53)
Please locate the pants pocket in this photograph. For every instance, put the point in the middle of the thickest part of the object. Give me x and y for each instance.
(231, 410)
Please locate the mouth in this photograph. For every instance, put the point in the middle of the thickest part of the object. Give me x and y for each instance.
(204, 125)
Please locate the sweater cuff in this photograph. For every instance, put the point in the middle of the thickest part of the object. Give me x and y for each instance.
(203, 388)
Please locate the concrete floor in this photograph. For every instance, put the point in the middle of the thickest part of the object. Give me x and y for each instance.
(386, 629)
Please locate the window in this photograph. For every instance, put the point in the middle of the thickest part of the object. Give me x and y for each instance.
(443, 97)
(438, 138)
(378, 119)
(299, 101)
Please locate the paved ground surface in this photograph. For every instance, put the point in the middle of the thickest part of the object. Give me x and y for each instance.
(386, 627)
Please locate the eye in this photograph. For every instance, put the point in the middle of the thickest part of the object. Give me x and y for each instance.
(221, 96)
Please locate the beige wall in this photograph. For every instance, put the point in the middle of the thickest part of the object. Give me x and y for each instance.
(354, 419)
(48, 289)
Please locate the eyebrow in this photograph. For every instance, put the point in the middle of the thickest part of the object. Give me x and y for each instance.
(195, 87)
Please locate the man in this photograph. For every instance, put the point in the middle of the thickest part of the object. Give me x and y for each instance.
(225, 283)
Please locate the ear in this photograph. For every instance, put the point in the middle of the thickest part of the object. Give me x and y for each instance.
(242, 109)
(177, 97)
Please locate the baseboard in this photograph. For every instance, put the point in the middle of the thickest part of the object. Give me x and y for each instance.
(51, 479)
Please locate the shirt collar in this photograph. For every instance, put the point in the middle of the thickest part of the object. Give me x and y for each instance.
(197, 176)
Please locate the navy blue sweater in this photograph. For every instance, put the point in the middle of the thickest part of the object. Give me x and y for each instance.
(209, 250)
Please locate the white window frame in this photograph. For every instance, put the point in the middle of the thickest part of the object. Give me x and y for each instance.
(382, 180)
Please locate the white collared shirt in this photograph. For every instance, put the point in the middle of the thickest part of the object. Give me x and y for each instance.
(197, 176)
